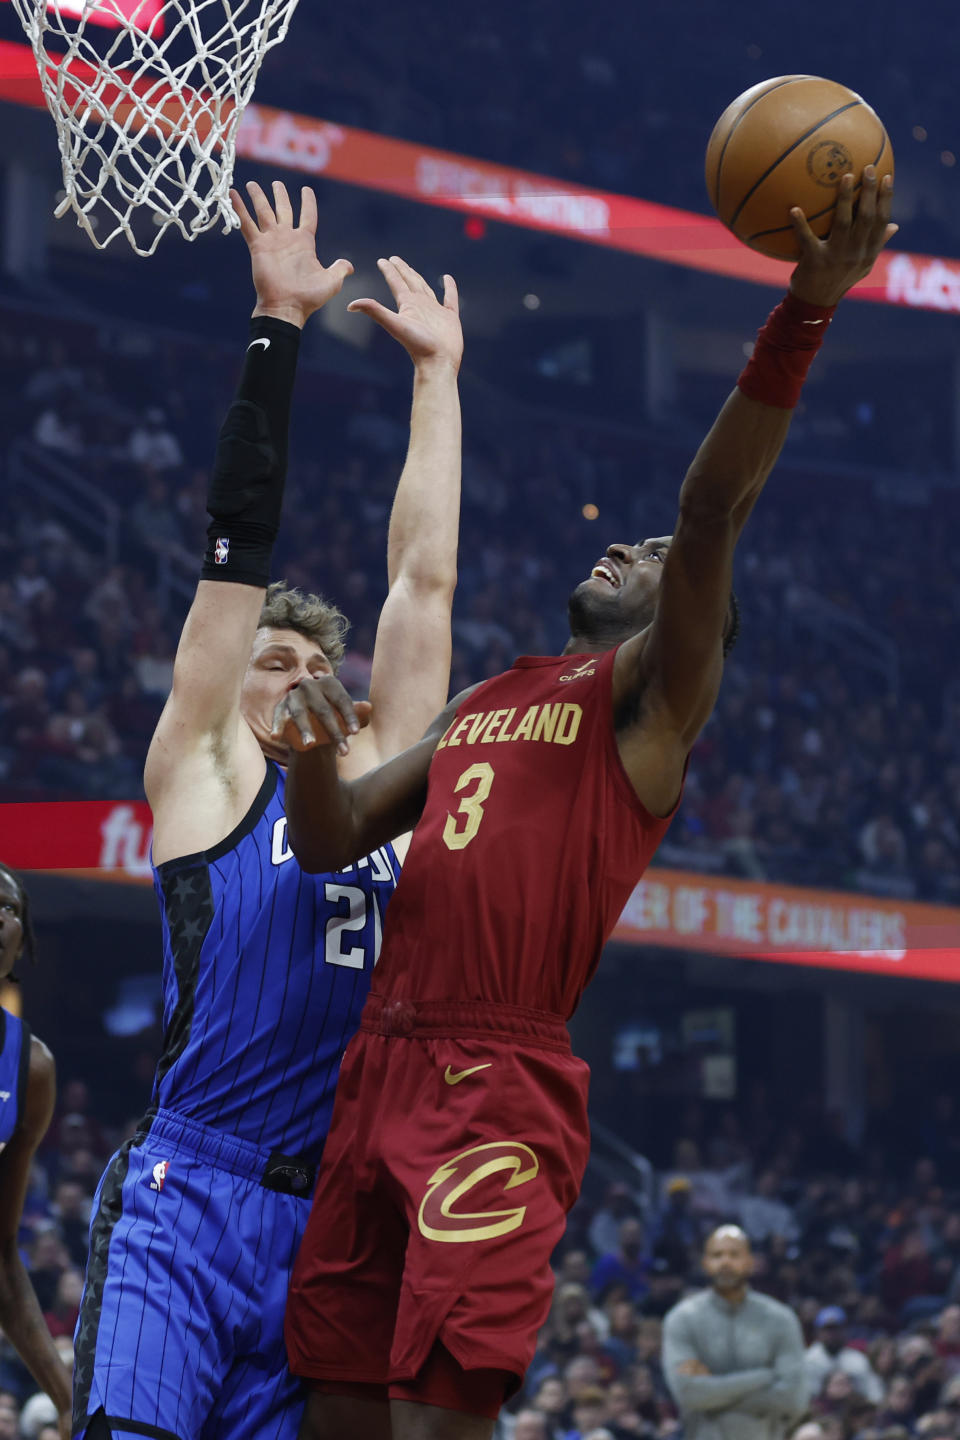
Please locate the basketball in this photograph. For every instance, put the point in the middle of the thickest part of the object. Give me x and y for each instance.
(785, 142)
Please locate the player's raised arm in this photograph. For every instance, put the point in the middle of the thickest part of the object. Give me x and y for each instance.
(333, 822)
(666, 678)
(200, 735)
(410, 679)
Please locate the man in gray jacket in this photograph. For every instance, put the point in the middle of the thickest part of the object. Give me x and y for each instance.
(734, 1359)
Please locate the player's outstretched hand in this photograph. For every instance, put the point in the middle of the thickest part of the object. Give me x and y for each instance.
(428, 330)
(289, 279)
(319, 712)
(829, 268)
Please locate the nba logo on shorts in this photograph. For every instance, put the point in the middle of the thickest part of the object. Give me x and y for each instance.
(222, 552)
(159, 1174)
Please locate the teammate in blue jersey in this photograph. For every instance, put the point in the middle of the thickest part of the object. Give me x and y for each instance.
(27, 1095)
(199, 1217)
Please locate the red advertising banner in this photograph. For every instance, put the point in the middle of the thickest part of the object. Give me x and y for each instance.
(110, 839)
(621, 222)
(147, 15)
(759, 921)
(518, 197)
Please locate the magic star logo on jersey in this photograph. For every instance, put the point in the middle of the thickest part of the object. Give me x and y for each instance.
(467, 1172)
(159, 1174)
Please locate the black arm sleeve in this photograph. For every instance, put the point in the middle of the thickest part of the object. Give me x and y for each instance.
(245, 495)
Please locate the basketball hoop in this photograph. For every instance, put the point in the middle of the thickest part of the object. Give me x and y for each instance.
(147, 118)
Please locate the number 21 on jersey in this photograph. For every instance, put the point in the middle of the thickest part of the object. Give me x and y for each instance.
(463, 826)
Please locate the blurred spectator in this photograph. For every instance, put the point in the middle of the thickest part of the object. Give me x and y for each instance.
(618, 1205)
(153, 519)
(947, 1343)
(550, 1400)
(677, 1231)
(626, 1266)
(530, 1425)
(899, 1407)
(587, 1413)
(9, 1416)
(763, 1214)
(62, 1316)
(38, 1414)
(57, 428)
(830, 1354)
(28, 581)
(47, 1262)
(153, 444)
(907, 1271)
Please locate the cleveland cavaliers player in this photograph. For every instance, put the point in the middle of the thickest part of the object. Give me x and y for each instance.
(459, 1133)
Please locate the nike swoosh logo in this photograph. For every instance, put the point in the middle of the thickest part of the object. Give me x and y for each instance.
(806, 322)
(262, 341)
(452, 1079)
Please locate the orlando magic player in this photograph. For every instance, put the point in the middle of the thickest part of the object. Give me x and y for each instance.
(198, 1218)
(27, 1094)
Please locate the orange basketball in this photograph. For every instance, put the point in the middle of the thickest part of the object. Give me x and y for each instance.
(786, 142)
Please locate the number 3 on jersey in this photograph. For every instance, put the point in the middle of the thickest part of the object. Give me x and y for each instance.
(456, 837)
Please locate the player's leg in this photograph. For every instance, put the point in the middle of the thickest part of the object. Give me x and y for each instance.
(346, 1281)
(446, 1402)
(487, 1171)
(260, 1399)
(132, 1367)
(426, 1422)
(344, 1417)
(169, 1275)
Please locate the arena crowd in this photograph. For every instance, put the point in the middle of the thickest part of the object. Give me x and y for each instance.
(868, 1260)
(564, 96)
(834, 755)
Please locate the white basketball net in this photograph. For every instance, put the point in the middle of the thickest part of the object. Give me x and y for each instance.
(140, 130)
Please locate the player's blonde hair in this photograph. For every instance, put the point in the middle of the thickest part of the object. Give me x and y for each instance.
(287, 608)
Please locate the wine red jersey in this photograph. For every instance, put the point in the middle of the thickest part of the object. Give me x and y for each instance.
(531, 841)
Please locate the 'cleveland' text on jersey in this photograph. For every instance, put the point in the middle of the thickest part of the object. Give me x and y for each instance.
(530, 843)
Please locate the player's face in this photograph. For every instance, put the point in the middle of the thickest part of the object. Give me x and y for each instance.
(11, 924)
(728, 1261)
(279, 661)
(620, 596)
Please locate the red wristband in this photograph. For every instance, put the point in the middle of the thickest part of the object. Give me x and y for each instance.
(784, 352)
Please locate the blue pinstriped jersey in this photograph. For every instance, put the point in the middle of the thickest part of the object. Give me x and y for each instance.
(265, 971)
(14, 1063)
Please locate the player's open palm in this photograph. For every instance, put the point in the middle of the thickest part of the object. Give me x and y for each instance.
(289, 279)
(427, 328)
(829, 268)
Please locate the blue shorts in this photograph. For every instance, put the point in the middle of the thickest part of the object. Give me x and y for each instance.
(181, 1326)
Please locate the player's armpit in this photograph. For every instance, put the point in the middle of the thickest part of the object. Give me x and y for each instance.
(208, 671)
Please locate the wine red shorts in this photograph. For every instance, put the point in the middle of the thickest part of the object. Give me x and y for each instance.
(458, 1144)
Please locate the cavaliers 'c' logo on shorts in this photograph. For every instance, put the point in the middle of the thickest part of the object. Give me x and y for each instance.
(442, 1216)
